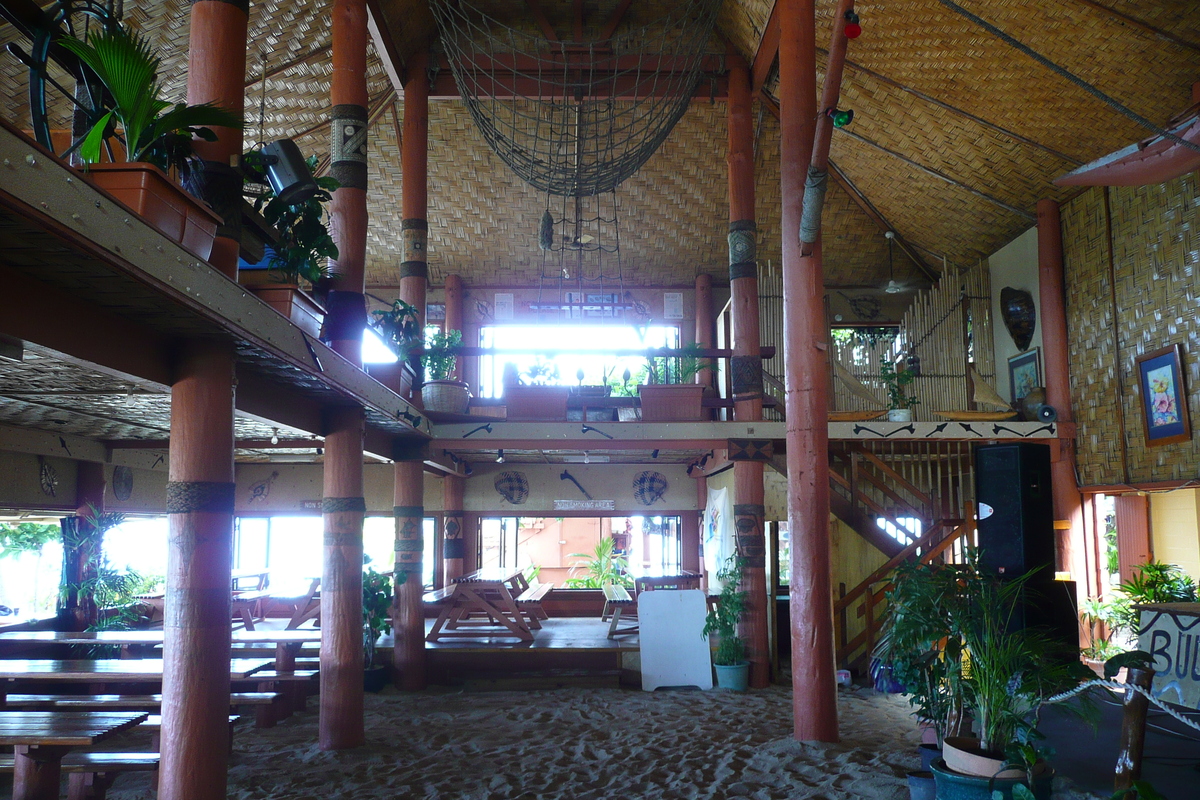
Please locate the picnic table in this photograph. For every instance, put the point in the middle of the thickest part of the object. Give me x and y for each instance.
(41, 739)
(287, 643)
(107, 670)
(483, 604)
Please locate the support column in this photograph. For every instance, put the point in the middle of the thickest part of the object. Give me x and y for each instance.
(200, 491)
(82, 545)
(706, 331)
(746, 367)
(814, 685)
(217, 74)
(341, 722)
(408, 614)
(454, 317)
(414, 202)
(453, 544)
(1068, 504)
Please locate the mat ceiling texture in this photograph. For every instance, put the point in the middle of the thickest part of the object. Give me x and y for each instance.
(955, 138)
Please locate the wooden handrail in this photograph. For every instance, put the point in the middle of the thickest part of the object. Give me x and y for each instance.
(896, 476)
(895, 561)
(878, 483)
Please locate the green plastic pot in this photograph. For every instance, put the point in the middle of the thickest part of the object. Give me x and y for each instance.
(955, 786)
(735, 678)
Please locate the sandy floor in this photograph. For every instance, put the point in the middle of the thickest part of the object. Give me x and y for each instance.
(580, 744)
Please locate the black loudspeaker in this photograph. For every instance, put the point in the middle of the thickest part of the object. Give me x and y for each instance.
(1015, 508)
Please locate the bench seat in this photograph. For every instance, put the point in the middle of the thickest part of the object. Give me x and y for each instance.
(91, 774)
(617, 600)
(438, 596)
(529, 603)
(132, 702)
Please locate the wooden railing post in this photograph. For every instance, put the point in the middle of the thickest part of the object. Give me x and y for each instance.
(1133, 729)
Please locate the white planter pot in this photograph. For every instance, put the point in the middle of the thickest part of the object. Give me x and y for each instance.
(900, 415)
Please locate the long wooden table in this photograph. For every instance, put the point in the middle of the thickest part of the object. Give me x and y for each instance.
(483, 604)
(108, 670)
(287, 642)
(40, 740)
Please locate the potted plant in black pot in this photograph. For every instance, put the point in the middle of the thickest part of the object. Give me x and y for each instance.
(400, 329)
(156, 135)
(900, 402)
(440, 393)
(377, 603)
(729, 659)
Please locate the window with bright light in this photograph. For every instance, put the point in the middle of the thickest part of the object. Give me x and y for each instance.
(909, 529)
(567, 369)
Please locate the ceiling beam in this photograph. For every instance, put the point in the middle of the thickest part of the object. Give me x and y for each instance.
(1137, 23)
(539, 16)
(285, 66)
(768, 49)
(578, 20)
(614, 20)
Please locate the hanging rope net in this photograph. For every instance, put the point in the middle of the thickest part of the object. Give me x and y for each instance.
(575, 118)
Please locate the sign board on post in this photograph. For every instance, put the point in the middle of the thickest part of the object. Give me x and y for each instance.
(1170, 632)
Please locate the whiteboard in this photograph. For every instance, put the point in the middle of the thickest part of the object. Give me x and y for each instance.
(673, 651)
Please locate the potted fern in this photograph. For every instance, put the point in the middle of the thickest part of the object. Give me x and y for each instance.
(729, 657)
(440, 393)
(669, 393)
(400, 328)
(157, 137)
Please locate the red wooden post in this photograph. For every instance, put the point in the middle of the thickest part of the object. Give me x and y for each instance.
(746, 366)
(453, 544)
(814, 684)
(341, 722)
(454, 317)
(408, 615)
(217, 74)
(408, 622)
(200, 494)
(706, 330)
(1068, 504)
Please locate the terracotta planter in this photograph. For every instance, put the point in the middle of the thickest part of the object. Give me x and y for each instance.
(962, 755)
(446, 397)
(672, 402)
(397, 376)
(165, 206)
(294, 303)
(536, 403)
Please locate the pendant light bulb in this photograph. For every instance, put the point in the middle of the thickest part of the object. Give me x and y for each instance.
(275, 436)
(587, 459)
(500, 457)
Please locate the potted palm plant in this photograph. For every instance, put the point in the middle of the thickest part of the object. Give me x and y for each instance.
(601, 567)
(729, 658)
(400, 328)
(377, 604)
(157, 137)
(669, 393)
(895, 380)
(440, 393)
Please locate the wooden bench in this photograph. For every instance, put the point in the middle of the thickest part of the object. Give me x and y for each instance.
(248, 606)
(617, 600)
(529, 602)
(90, 775)
(119, 702)
(438, 596)
(293, 688)
(153, 724)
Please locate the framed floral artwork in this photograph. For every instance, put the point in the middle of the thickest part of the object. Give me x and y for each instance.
(1164, 396)
(1024, 373)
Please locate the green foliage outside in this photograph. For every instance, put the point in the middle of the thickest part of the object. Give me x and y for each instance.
(895, 381)
(437, 359)
(540, 373)
(154, 130)
(27, 537)
(676, 369)
(723, 618)
(377, 604)
(601, 567)
(1154, 582)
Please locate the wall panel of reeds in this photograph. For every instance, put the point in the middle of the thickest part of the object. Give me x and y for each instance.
(1132, 263)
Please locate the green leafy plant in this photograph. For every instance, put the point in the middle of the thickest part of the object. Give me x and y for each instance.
(377, 604)
(1154, 582)
(154, 130)
(27, 537)
(895, 380)
(676, 369)
(1142, 790)
(541, 373)
(438, 358)
(601, 567)
(305, 244)
(399, 327)
(623, 386)
(724, 616)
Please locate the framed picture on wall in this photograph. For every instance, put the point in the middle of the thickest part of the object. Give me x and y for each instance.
(1024, 373)
(1164, 396)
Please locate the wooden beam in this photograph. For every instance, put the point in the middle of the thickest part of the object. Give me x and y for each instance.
(579, 20)
(294, 62)
(1137, 23)
(614, 20)
(768, 48)
(385, 45)
(539, 16)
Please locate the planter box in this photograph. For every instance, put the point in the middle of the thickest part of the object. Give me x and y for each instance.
(150, 194)
(446, 397)
(293, 303)
(398, 377)
(672, 402)
(536, 403)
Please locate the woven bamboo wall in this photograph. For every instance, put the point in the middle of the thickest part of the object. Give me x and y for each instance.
(1155, 254)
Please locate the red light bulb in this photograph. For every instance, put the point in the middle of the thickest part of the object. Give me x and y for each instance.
(853, 29)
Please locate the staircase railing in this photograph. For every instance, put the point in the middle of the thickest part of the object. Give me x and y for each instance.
(943, 540)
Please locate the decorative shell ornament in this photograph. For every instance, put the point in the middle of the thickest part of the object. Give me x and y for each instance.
(649, 487)
(513, 486)
(1019, 315)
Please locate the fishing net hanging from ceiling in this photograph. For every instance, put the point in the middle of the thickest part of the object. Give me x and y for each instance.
(575, 118)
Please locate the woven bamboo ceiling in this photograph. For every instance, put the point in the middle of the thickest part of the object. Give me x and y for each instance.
(956, 133)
